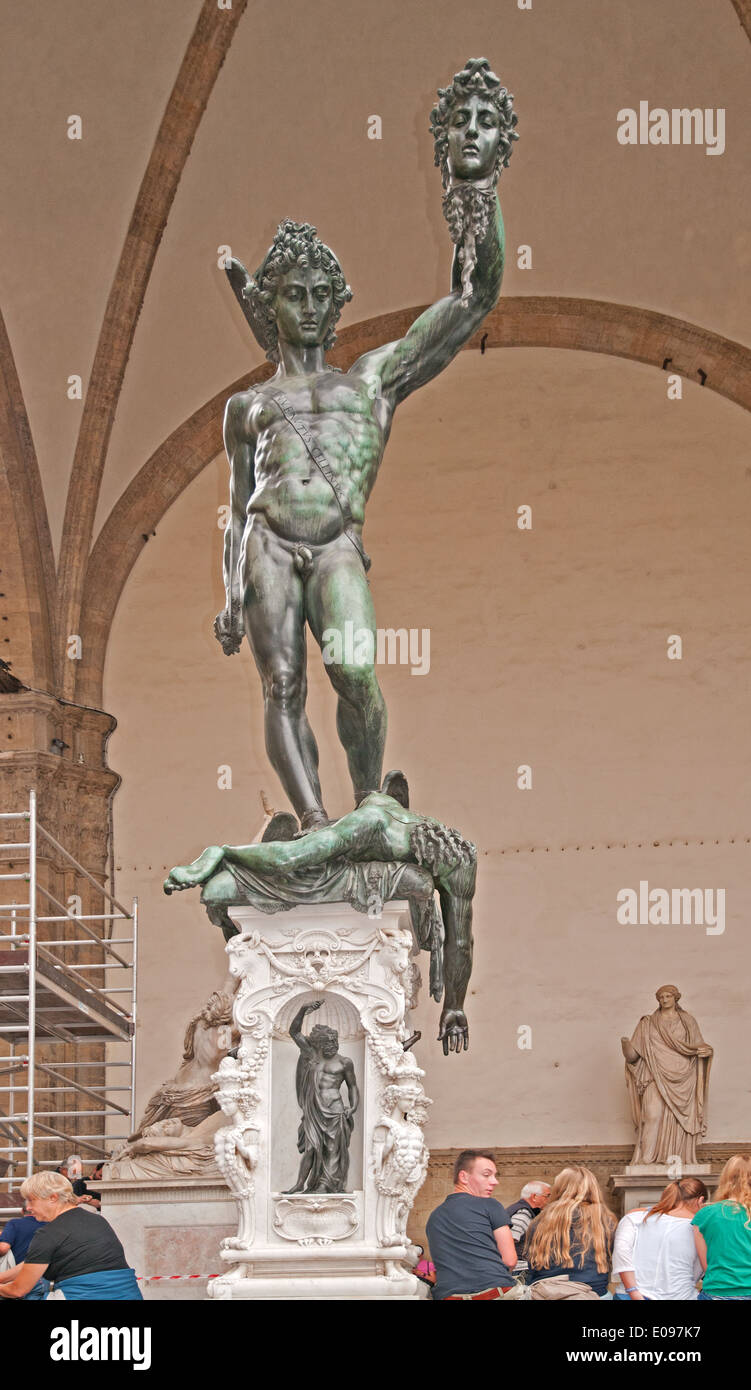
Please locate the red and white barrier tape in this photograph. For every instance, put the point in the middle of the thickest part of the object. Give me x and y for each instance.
(150, 1278)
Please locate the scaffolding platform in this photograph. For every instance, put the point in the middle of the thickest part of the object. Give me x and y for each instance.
(67, 1010)
(54, 995)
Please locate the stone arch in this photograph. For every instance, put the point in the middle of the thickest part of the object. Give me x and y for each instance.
(743, 10)
(204, 56)
(619, 330)
(27, 567)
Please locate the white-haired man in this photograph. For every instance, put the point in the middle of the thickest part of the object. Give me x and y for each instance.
(533, 1197)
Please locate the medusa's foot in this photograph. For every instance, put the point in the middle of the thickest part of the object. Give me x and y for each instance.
(190, 875)
(176, 880)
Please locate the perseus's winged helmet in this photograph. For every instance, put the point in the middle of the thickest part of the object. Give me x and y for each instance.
(245, 288)
(295, 243)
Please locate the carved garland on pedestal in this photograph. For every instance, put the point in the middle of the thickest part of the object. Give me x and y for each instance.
(237, 1145)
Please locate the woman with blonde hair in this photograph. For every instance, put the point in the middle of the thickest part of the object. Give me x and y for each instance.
(568, 1245)
(82, 1255)
(722, 1232)
(654, 1252)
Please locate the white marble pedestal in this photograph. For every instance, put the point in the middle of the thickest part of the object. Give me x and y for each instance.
(317, 1245)
(642, 1184)
(170, 1227)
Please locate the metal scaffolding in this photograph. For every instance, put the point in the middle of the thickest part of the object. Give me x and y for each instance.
(50, 999)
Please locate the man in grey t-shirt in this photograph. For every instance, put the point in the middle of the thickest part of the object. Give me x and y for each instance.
(470, 1238)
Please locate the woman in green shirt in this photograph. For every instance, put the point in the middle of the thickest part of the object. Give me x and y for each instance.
(722, 1232)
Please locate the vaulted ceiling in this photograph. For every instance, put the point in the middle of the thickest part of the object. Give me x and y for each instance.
(203, 126)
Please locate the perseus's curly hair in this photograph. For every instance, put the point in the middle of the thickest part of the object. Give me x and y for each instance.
(295, 243)
(440, 847)
(475, 77)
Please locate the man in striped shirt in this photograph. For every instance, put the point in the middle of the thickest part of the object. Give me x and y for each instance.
(534, 1196)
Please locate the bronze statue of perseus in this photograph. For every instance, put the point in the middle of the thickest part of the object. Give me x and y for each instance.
(305, 446)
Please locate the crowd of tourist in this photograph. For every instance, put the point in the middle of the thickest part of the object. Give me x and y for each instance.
(558, 1241)
(562, 1241)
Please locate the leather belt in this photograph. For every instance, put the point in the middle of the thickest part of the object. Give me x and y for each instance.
(476, 1297)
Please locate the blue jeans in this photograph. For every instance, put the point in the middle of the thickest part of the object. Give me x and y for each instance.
(39, 1291)
(726, 1297)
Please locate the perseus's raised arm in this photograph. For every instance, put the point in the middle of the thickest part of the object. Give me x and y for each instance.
(441, 331)
(473, 131)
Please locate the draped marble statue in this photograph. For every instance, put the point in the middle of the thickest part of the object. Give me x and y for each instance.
(175, 1137)
(667, 1075)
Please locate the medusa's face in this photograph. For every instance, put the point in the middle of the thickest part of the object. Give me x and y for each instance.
(473, 137)
(303, 306)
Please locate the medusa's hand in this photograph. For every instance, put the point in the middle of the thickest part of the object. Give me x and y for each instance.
(453, 1031)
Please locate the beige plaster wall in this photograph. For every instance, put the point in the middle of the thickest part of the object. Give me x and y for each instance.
(547, 647)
